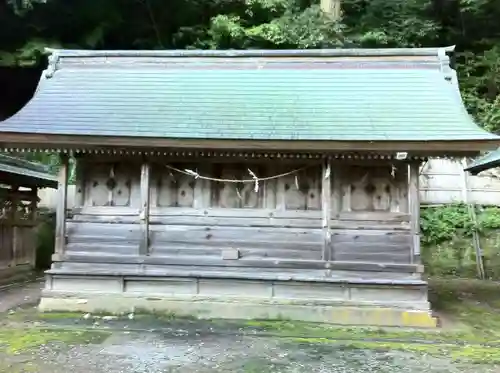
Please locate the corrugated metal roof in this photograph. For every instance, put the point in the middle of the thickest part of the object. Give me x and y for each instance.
(339, 95)
(490, 160)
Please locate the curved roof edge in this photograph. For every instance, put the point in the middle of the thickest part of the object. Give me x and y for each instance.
(28, 170)
(484, 163)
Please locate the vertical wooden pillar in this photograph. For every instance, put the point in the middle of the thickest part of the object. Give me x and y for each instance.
(79, 183)
(62, 198)
(33, 219)
(326, 205)
(145, 204)
(15, 221)
(414, 210)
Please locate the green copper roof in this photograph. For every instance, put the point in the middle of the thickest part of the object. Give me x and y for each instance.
(490, 160)
(338, 95)
(29, 173)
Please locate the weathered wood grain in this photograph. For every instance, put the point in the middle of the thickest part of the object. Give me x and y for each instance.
(326, 205)
(254, 252)
(414, 209)
(96, 192)
(105, 211)
(141, 271)
(385, 216)
(372, 245)
(236, 212)
(202, 220)
(373, 248)
(389, 257)
(252, 219)
(145, 205)
(243, 263)
(60, 233)
(301, 218)
(99, 248)
(375, 237)
(369, 225)
(112, 231)
(302, 190)
(111, 184)
(103, 238)
(80, 182)
(202, 188)
(250, 241)
(6, 245)
(373, 187)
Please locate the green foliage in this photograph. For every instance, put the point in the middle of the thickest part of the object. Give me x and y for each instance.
(391, 23)
(445, 223)
(441, 224)
(28, 26)
(446, 237)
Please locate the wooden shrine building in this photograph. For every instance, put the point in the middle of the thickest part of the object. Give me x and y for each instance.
(245, 184)
(19, 184)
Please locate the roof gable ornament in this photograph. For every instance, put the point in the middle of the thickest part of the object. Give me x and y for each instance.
(53, 60)
(444, 59)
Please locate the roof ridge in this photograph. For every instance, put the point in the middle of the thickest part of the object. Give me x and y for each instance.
(233, 53)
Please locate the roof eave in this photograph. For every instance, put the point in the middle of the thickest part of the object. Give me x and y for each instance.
(471, 147)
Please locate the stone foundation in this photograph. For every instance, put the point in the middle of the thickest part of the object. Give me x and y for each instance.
(336, 303)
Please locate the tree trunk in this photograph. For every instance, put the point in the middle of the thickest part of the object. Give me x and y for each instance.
(332, 7)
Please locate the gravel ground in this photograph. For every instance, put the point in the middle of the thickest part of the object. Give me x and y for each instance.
(135, 347)
(155, 353)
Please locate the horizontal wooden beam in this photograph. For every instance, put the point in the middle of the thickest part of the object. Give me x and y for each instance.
(30, 140)
(237, 275)
(241, 263)
(243, 213)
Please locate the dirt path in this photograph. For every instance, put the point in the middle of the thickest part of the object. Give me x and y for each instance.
(61, 343)
(20, 295)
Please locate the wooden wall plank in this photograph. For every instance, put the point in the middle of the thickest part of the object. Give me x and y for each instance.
(375, 268)
(269, 224)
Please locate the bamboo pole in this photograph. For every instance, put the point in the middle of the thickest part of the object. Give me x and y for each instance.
(472, 214)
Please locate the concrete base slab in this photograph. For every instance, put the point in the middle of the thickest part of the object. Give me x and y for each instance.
(238, 309)
(336, 303)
